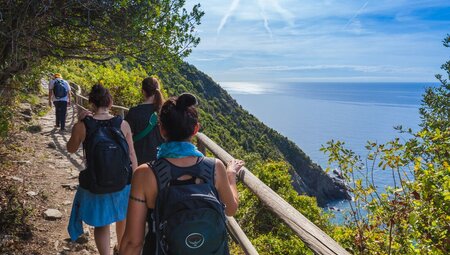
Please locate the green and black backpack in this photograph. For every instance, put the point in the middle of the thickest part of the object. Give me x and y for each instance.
(189, 217)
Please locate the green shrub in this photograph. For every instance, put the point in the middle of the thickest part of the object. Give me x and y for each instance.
(5, 118)
(412, 216)
(13, 214)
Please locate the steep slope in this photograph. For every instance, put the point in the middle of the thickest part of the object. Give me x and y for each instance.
(236, 130)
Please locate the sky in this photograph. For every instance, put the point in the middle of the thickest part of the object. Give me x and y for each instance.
(322, 40)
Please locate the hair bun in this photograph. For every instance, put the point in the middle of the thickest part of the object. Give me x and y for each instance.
(186, 100)
(97, 88)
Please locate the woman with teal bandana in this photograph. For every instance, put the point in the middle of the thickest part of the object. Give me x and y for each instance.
(178, 123)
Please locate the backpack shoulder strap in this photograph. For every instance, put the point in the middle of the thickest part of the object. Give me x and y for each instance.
(204, 170)
(58, 82)
(151, 124)
(162, 171)
(90, 124)
(208, 169)
(116, 122)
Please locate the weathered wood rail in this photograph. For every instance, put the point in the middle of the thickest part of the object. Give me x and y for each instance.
(317, 240)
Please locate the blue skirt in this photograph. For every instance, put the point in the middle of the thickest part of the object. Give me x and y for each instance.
(97, 210)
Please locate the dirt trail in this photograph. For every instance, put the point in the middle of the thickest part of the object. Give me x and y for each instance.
(49, 177)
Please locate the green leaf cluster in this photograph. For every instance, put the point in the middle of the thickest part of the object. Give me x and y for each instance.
(157, 33)
(412, 216)
(267, 232)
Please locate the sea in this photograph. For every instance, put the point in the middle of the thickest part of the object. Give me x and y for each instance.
(310, 114)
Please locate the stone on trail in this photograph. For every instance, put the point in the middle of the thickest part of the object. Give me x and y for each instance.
(84, 252)
(83, 239)
(15, 178)
(52, 214)
(25, 108)
(67, 202)
(22, 162)
(51, 145)
(70, 186)
(26, 117)
(31, 193)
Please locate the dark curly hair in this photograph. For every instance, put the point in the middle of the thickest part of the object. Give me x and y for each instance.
(100, 96)
(178, 117)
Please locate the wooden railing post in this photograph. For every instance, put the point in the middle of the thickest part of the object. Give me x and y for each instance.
(236, 232)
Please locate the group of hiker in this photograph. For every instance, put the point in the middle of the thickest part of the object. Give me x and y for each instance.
(144, 174)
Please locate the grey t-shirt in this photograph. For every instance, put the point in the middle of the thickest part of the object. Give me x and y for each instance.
(66, 85)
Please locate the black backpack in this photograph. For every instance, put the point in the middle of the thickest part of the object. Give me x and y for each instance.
(108, 162)
(188, 218)
(59, 90)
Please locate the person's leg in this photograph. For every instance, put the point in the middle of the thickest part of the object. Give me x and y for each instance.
(55, 103)
(120, 230)
(101, 236)
(63, 114)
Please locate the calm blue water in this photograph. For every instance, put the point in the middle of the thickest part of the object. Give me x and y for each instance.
(310, 114)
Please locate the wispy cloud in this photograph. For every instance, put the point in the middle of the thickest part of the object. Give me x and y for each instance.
(264, 16)
(230, 11)
(350, 21)
(358, 68)
(287, 15)
(286, 39)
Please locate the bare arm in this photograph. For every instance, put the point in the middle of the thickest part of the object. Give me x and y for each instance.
(68, 94)
(142, 196)
(129, 137)
(226, 186)
(50, 95)
(77, 137)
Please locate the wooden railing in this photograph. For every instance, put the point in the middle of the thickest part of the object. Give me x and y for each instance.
(317, 240)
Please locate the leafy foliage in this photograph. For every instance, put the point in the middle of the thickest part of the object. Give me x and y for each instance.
(155, 32)
(267, 232)
(13, 214)
(21, 88)
(413, 216)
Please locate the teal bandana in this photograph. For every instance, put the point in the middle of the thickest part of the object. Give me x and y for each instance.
(177, 150)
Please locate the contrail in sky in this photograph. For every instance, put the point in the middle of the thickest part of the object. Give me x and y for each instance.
(230, 11)
(356, 14)
(264, 16)
(287, 15)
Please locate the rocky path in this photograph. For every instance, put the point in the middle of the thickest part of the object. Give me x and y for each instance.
(49, 177)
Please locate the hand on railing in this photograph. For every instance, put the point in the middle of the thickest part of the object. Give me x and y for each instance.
(82, 114)
(234, 166)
